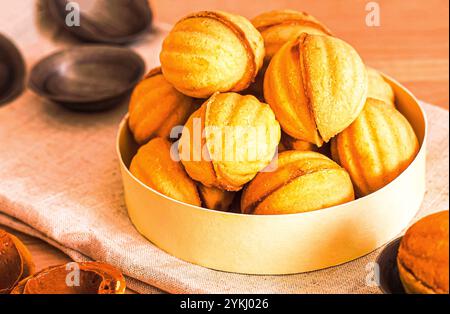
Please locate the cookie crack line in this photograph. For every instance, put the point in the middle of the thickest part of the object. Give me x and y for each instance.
(252, 67)
(435, 289)
(306, 82)
(298, 22)
(296, 175)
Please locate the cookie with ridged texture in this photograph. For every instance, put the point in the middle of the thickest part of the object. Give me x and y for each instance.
(376, 148)
(280, 26)
(156, 107)
(379, 88)
(212, 51)
(423, 256)
(303, 181)
(317, 86)
(277, 28)
(156, 166)
(240, 139)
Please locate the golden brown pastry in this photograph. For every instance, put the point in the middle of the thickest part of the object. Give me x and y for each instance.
(423, 256)
(215, 199)
(154, 166)
(317, 86)
(279, 27)
(290, 143)
(376, 148)
(240, 138)
(208, 52)
(303, 181)
(16, 261)
(95, 278)
(379, 88)
(156, 107)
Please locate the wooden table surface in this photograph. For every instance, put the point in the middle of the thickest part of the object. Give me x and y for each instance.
(411, 44)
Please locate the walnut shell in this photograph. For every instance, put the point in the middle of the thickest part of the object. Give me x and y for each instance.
(379, 88)
(303, 181)
(15, 262)
(240, 139)
(154, 166)
(156, 107)
(376, 148)
(94, 278)
(215, 199)
(207, 52)
(317, 86)
(279, 27)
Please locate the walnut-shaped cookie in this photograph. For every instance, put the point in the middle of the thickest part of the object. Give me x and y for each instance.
(229, 140)
(156, 107)
(157, 167)
(317, 86)
(376, 148)
(379, 88)
(280, 26)
(212, 51)
(302, 181)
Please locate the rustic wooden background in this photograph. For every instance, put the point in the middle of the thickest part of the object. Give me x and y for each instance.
(411, 44)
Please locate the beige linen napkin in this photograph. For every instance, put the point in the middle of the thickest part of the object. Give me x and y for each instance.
(60, 181)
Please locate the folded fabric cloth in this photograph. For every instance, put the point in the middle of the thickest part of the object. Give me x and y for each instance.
(60, 181)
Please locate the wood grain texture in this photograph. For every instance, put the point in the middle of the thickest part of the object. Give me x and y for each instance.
(411, 45)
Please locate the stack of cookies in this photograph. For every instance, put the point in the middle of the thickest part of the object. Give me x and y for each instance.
(270, 116)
